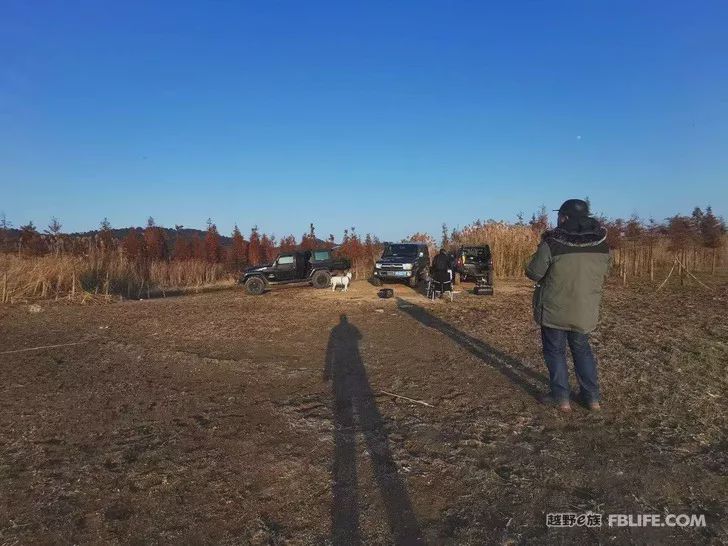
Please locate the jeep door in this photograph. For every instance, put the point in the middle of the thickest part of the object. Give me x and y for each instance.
(285, 267)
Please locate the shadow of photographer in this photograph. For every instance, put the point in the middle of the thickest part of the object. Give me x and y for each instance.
(355, 410)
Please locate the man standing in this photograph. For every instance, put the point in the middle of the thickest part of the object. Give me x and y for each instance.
(570, 266)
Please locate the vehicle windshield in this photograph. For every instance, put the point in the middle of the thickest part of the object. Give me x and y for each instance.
(403, 251)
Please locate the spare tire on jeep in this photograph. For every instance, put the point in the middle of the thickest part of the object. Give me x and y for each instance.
(321, 279)
(255, 286)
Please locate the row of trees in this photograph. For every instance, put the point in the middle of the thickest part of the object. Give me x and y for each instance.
(638, 245)
(151, 243)
(154, 243)
(695, 241)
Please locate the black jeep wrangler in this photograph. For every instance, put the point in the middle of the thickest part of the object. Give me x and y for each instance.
(408, 262)
(312, 267)
(476, 263)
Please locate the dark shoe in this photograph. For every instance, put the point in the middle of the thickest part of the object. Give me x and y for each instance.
(549, 400)
(591, 405)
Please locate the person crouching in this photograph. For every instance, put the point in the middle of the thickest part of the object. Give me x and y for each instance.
(442, 270)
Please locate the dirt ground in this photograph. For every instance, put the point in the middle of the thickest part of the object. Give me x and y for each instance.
(223, 418)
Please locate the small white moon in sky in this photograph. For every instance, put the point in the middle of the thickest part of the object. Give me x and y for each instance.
(578, 137)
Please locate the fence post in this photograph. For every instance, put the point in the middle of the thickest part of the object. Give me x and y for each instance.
(5, 287)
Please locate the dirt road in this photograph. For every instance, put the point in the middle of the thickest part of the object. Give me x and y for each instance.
(226, 418)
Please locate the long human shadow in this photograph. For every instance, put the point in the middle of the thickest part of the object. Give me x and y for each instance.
(355, 409)
(516, 371)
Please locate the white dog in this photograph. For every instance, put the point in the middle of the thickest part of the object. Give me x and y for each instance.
(342, 280)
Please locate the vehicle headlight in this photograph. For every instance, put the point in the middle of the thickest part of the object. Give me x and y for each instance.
(406, 267)
(378, 265)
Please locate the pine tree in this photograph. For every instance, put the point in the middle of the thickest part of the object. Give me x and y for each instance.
(697, 217)
(539, 220)
(680, 233)
(237, 255)
(30, 241)
(54, 235)
(5, 226)
(254, 254)
(369, 248)
(181, 250)
(199, 251)
(633, 232)
(266, 249)
(154, 241)
(633, 229)
(105, 236)
(54, 227)
(288, 243)
(615, 231)
(133, 245)
(213, 249)
(712, 230)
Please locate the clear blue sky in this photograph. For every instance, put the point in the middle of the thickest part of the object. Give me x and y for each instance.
(390, 116)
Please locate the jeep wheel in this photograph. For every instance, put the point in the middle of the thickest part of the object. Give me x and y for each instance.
(412, 281)
(321, 279)
(376, 281)
(254, 286)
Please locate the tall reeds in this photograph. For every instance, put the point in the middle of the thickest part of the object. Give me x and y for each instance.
(97, 277)
(511, 245)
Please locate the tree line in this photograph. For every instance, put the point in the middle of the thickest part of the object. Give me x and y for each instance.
(153, 243)
(638, 245)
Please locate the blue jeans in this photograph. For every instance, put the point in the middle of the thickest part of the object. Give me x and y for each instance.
(585, 365)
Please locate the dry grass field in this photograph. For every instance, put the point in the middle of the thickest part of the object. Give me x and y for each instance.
(211, 419)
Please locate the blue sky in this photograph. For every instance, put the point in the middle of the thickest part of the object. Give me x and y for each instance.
(389, 116)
